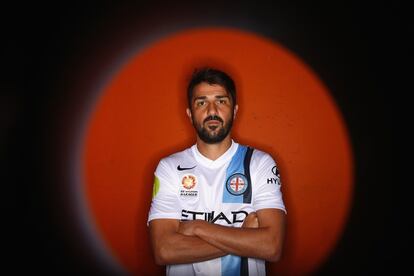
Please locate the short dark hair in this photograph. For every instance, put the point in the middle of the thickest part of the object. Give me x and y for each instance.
(211, 76)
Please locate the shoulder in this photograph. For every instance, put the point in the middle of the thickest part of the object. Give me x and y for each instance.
(262, 160)
(261, 156)
(175, 159)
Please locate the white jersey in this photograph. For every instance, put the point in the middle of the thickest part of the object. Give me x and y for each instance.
(190, 186)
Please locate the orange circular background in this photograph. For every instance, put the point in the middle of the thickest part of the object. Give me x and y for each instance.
(284, 109)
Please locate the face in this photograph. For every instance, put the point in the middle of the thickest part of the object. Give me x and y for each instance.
(212, 112)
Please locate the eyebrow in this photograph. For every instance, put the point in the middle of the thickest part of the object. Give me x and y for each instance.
(221, 97)
(205, 97)
(200, 98)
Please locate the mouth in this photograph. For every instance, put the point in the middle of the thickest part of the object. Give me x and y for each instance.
(213, 119)
(212, 124)
(212, 127)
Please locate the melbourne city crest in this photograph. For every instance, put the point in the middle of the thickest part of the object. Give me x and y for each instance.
(237, 184)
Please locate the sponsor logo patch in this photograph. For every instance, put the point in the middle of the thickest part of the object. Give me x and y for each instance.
(274, 180)
(275, 171)
(237, 184)
(230, 218)
(183, 169)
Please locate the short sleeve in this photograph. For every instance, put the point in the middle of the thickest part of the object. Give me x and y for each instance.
(267, 184)
(164, 197)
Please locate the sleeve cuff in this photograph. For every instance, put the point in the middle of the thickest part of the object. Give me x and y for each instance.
(163, 216)
(280, 207)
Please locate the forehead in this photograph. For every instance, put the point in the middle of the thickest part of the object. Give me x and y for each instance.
(206, 89)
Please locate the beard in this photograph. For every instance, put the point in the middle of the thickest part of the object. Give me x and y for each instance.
(213, 134)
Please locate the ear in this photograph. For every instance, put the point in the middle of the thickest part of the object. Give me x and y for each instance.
(236, 108)
(188, 111)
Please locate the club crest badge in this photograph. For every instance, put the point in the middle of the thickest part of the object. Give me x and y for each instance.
(237, 184)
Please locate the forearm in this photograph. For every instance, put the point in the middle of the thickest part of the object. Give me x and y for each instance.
(248, 242)
(178, 249)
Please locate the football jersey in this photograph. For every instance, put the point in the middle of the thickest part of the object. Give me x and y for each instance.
(224, 191)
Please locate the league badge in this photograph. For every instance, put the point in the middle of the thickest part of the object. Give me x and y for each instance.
(189, 181)
(189, 189)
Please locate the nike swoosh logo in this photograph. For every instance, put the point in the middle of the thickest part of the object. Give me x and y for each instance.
(183, 169)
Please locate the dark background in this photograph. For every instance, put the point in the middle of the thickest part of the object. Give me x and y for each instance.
(54, 52)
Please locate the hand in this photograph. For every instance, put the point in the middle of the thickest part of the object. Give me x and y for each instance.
(251, 221)
(187, 227)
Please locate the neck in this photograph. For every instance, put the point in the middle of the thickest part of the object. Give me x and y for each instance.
(213, 151)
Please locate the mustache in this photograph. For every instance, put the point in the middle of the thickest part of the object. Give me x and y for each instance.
(214, 117)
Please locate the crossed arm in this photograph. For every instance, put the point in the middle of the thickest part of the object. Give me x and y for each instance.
(261, 236)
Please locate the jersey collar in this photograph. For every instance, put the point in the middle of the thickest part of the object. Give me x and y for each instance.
(223, 159)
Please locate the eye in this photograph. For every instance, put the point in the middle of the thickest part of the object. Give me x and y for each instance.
(222, 101)
(200, 103)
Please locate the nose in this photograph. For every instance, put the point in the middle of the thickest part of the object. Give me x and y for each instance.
(212, 109)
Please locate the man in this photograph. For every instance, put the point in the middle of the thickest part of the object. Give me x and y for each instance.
(217, 208)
